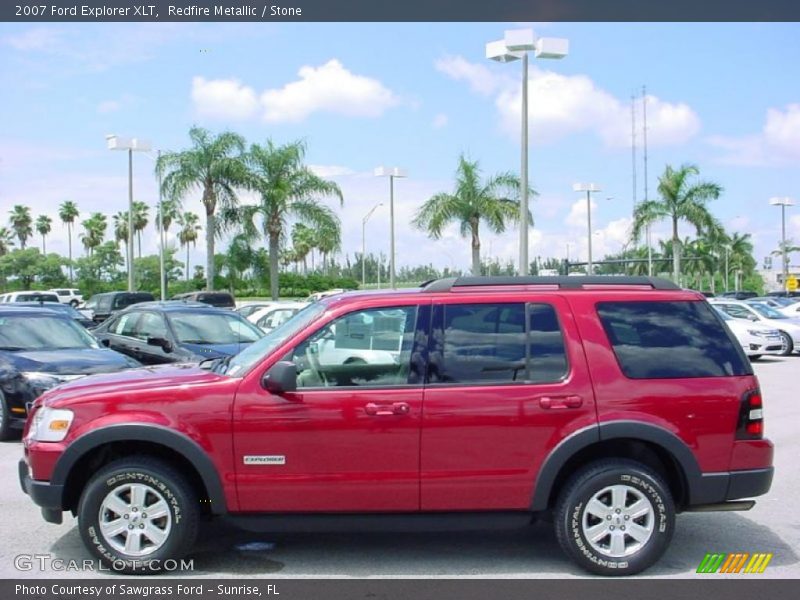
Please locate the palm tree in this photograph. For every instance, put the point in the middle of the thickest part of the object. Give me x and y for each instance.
(6, 240)
(121, 232)
(167, 212)
(189, 226)
(302, 242)
(329, 240)
(94, 231)
(681, 200)
(68, 213)
(472, 201)
(21, 222)
(213, 164)
(44, 225)
(287, 189)
(140, 220)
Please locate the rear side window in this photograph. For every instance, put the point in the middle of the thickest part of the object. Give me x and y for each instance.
(670, 340)
(497, 343)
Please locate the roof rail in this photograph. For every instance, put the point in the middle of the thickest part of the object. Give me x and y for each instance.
(564, 282)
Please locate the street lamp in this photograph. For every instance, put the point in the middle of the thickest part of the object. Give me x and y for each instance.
(588, 188)
(364, 243)
(391, 173)
(515, 45)
(130, 144)
(161, 237)
(783, 203)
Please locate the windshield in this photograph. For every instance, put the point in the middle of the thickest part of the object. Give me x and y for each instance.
(767, 311)
(42, 333)
(212, 328)
(250, 356)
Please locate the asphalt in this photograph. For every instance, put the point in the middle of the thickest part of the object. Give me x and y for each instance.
(771, 526)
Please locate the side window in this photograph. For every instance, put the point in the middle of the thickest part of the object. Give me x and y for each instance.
(125, 325)
(364, 348)
(737, 312)
(666, 340)
(497, 343)
(151, 325)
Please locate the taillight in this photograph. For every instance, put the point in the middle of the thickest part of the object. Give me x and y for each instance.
(751, 417)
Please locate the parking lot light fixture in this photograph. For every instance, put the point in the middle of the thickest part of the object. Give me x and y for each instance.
(391, 173)
(588, 188)
(783, 202)
(515, 45)
(132, 145)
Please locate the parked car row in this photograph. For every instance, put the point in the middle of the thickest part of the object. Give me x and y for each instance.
(761, 313)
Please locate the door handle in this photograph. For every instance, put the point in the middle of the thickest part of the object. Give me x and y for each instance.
(548, 402)
(383, 410)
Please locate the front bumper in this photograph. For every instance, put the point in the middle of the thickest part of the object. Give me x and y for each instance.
(43, 493)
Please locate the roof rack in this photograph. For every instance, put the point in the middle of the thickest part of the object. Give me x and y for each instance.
(564, 282)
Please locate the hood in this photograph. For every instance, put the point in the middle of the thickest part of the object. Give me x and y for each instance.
(204, 351)
(144, 379)
(75, 361)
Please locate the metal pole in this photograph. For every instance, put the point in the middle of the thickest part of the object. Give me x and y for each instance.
(364, 252)
(391, 236)
(726, 267)
(130, 219)
(783, 245)
(161, 236)
(523, 221)
(589, 221)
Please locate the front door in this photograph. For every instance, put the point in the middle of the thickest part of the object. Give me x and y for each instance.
(348, 439)
(506, 383)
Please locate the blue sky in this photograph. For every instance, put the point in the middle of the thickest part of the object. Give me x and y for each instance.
(723, 96)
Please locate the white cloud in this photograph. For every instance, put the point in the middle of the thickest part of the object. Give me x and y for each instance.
(777, 144)
(331, 170)
(440, 121)
(327, 88)
(562, 105)
(223, 99)
(36, 39)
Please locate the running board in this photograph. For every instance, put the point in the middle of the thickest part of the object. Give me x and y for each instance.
(723, 506)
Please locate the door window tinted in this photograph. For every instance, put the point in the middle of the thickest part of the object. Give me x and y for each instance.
(497, 343)
(151, 325)
(365, 348)
(125, 324)
(654, 340)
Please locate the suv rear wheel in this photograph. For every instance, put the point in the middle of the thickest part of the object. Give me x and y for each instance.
(615, 517)
(137, 512)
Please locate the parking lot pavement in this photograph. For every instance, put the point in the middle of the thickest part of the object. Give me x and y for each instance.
(772, 526)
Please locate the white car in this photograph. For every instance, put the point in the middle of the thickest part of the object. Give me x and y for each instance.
(790, 310)
(316, 297)
(248, 308)
(30, 296)
(754, 338)
(272, 316)
(70, 296)
(756, 312)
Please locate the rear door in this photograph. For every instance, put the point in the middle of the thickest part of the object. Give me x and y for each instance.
(506, 383)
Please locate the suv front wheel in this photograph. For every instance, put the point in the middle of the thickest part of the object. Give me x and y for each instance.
(615, 517)
(136, 513)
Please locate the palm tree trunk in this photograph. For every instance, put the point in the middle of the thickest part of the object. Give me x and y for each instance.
(139, 240)
(211, 223)
(69, 237)
(274, 249)
(187, 261)
(476, 248)
(44, 247)
(676, 252)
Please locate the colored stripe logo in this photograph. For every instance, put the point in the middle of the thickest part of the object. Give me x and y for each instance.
(735, 562)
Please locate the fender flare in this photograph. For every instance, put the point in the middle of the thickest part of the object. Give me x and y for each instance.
(701, 488)
(157, 434)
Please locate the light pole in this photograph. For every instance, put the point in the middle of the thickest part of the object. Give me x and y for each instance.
(515, 45)
(391, 173)
(130, 144)
(364, 244)
(783, 203)
(588, 188)
(727, 270)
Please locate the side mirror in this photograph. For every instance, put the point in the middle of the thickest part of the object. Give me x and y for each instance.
(753, 318)
(106, 342)
(281, 378)
(163, 343)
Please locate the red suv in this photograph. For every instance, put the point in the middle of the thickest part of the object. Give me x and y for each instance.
(612, 403)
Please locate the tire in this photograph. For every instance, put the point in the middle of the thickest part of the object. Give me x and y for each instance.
(158, 487)
(755, 357)
(787, 344)
(5, 419)
(74, 303)
(608, 486)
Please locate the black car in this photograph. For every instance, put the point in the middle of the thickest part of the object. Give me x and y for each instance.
(63, 309)
(177, 331)
(106, 304)
(40, 349)
(218, 299)
(740, 295)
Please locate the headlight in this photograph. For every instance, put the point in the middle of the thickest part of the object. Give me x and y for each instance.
(45, 381)
(50, 424)
(757, 332)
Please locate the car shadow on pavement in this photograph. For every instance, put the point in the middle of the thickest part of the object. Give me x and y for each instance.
(228, 552)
